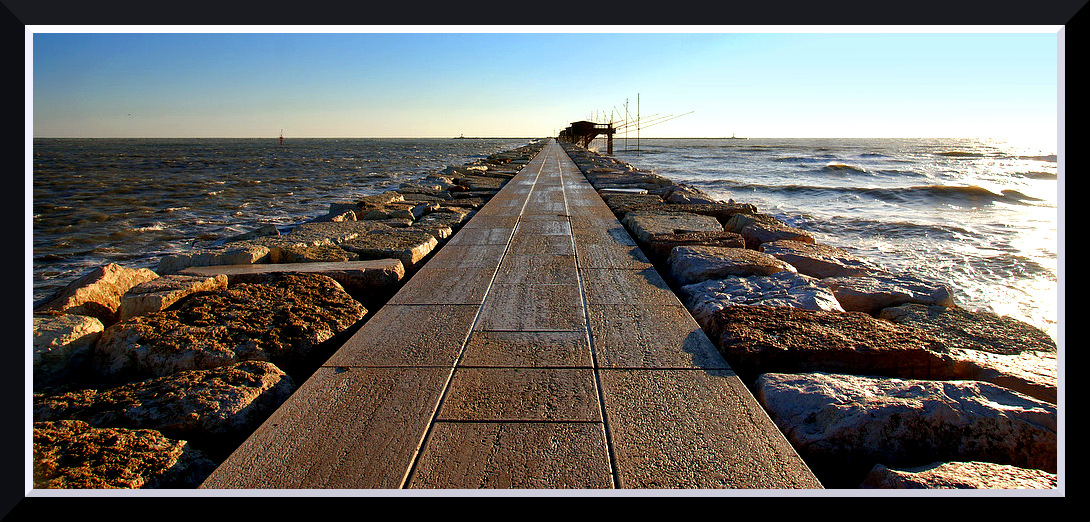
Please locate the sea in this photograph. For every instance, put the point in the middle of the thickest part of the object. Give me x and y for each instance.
(980, 216)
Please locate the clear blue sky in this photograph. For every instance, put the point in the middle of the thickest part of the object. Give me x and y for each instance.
(169, 84)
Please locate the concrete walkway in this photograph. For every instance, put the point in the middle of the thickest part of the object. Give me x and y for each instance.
(537, 349)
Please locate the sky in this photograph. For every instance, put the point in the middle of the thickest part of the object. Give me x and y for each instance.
(445, 82)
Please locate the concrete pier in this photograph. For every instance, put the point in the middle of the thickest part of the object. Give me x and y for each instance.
(538, 348)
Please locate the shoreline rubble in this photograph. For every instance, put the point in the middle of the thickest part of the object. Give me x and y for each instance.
(777, 303)
(150, 378)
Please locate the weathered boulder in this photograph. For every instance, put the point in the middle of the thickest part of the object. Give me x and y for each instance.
(236, 253)
(987, 347)
(299, 253)
(842, 425)
(959, 475)
(685, 194)
(660, 245)
(760, 228)
(262, 231)
(692, 264)
(817, 260)
(621, 203)
(330, 233)
(159, 293)
(370, 282)
(872, 293)
(759, 339)
(212, 406)
(408, 245)
(98, 292)
(72, 454)
(283, 321)
(705, 298)
(62, 344)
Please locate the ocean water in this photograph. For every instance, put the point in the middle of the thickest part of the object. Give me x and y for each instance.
(978, 215)
(131, 201)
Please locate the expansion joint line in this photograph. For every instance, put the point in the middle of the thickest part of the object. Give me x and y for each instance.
(590, 337)
(461, 351)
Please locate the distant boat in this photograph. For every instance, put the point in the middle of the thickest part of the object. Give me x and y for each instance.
(462, 137)
(733, 137)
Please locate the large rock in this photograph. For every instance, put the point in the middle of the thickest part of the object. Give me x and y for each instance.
(818, 260)
(760, 228)
(158, 294)
(872, 293)
(644, 224)
(370, 282)
(959, 475)
(692, 264)
(409, 246)
(62, 344)
(843, 425)
(1000, 350)
(236, 253)
(72, 454)
(705, 298)
(659, 245)
(211, 406)
(98, 292)
(759, 339)
(283, 321)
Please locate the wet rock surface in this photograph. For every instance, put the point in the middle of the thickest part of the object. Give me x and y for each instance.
(959, 475)
(844, 425)
(817, 260)
(705, 298)
(693, 264)
(870, 294)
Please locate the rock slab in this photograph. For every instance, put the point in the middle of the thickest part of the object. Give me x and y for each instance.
(72, 454)
(959, 475)
(98, 292)
(693, 264)
(843, 424)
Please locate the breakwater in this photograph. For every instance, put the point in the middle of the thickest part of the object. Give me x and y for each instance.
(876, 377)
(149, 378)
(668, 221)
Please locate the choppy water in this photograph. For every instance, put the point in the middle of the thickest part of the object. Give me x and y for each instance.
(979, 215)
(130, 201)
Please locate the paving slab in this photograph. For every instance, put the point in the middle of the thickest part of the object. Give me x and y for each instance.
(537, 268)
(527, 349)
(625, 286)
(521, 394)
(345, 429)
(436, 285)
(532, 307)
(695, 429)
(650, 336)
(409, 335)
(543, 455)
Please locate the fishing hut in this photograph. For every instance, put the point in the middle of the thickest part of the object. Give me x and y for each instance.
(583, 132)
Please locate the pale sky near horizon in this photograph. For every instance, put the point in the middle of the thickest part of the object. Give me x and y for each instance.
(167, 82)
